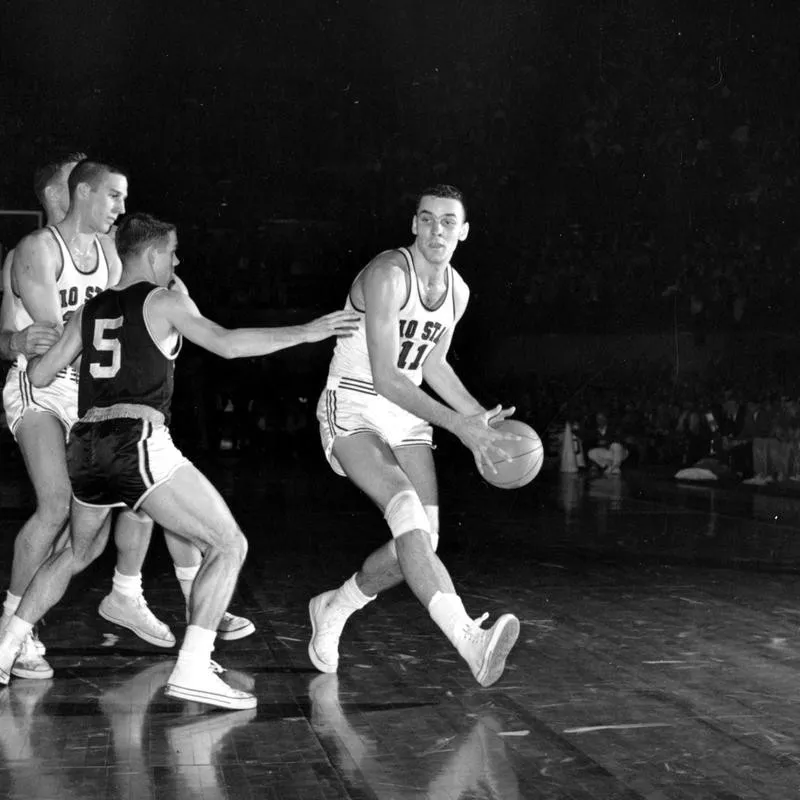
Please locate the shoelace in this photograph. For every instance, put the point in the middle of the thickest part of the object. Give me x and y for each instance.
(473, 630)
(143, 604)
(28, 648)
(216, 668)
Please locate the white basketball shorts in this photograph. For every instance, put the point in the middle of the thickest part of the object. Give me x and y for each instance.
(349, 406)
(60, 398)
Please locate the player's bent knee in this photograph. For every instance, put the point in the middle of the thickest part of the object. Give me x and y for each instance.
(432, 512)
(234, 546)
(86, 552)
(54, 507)
(405, 513)
(242, 547)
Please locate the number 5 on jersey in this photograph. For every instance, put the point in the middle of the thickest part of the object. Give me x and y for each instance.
(106, 340)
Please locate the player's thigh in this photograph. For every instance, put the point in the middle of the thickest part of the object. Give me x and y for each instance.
(189, 506)
(89, 528)
(417, 462)
(372, 466)
(41, 440)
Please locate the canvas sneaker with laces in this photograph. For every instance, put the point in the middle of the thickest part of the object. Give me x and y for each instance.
(134, 614)
(486, 649)
(204, 685)
(232, 627)
(30, 664)
(327, 624)
(38, 643)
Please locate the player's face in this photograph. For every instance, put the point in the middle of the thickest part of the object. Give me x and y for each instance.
(107, 202)
(165, 259)
(439, 226)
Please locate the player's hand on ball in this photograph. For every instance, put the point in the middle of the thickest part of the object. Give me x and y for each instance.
(36, 339)
(476, 433)
(338, 323)
(500, 415)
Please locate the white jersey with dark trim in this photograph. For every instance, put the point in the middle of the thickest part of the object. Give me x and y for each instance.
(420, 329)
(74, 286)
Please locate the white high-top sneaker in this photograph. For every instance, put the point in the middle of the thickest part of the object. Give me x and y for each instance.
(486, 649)
(327, 624)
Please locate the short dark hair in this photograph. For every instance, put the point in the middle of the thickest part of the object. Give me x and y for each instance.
(138, 231)
(91, 172)
(44, 175)
(443, 190)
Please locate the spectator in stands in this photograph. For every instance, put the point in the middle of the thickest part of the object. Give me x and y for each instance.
(603, 444)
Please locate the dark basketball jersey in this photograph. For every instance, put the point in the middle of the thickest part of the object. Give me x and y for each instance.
(121, 362)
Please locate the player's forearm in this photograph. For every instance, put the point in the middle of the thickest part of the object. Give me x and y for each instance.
(444, 381)
(251, 342)
(402, 392)
(42, 371)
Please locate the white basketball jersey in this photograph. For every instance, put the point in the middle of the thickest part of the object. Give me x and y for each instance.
(420, 329)
(74, 287)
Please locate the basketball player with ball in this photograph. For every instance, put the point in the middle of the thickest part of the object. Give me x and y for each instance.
(376, 428)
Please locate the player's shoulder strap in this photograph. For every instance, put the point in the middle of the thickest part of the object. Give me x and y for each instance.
(411, 273)
(62, 248)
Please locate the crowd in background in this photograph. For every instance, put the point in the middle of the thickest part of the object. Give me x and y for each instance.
(647, 182)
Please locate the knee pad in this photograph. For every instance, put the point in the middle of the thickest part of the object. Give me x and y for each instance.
(432, 513)
(405, 513)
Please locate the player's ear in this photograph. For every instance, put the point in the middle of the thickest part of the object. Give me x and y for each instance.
(51, 195)
(464, 232)
(414, 224)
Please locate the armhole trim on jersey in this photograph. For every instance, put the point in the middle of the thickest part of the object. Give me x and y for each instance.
(453, 285)
(350, 293)
(169, 354)
(59, 241)
(102, 261)
(411, 274)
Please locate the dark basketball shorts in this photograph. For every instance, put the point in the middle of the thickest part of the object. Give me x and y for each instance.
(119, 461)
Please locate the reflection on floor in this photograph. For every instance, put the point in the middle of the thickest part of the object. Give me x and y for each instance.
(659, 655)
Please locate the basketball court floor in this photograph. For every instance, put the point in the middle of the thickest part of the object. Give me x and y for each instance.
(659, 655)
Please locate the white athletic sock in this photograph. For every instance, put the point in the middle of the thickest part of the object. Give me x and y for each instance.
(350, 596)
(448, 612)
(10, 606)
(198, 644)
(186, 576)
(18, 629)
(127, 585)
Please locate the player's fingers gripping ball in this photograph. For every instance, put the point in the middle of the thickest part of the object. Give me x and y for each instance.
(525, 456)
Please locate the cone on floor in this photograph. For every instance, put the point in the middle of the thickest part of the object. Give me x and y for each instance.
(569, 462)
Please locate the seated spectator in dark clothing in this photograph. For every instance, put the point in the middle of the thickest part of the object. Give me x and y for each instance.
(634, 434)
(737, 449)
(694, 435)
(603, 444)
(757, 429)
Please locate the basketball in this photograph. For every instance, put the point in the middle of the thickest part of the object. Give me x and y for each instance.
(527, 456)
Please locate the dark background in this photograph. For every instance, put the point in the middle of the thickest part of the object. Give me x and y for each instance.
(629, 166)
